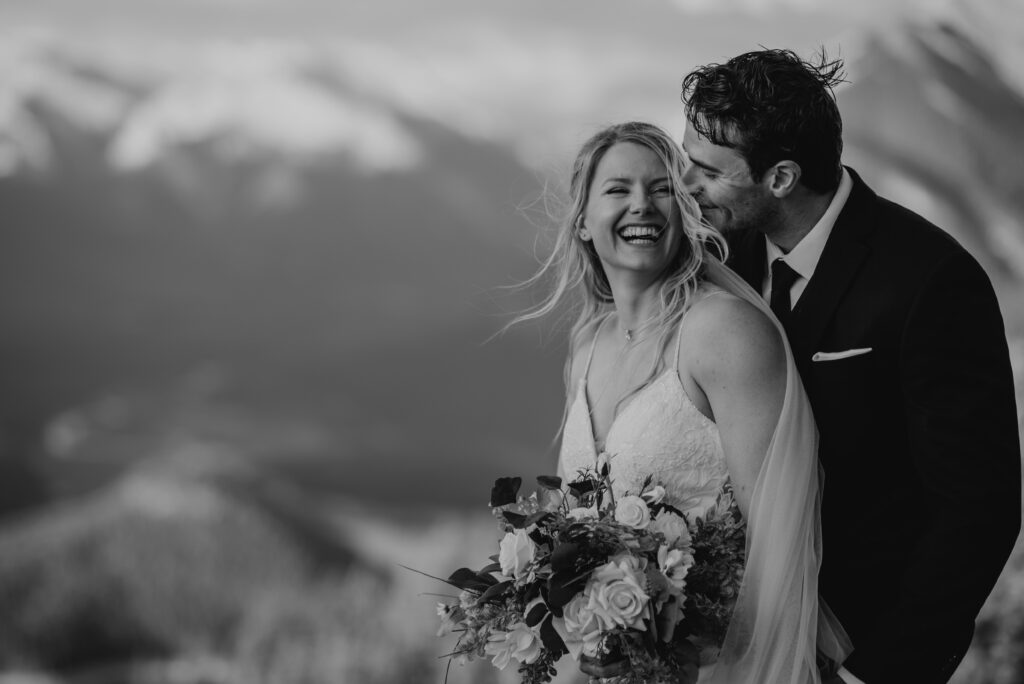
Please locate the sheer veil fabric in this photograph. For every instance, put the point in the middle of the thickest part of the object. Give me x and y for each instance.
(779, 624)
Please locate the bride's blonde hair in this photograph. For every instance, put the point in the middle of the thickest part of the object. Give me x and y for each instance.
(574, 264)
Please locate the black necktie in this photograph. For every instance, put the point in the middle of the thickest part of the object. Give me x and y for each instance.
(783, 277)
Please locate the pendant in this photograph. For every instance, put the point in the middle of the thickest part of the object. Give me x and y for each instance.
(629, 335)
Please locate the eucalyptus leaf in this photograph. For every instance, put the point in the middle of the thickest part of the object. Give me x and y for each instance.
(563, 558)
(486, 577)
(536, 614)
(564, 585)
(464, 578)
(581, 487)
(516, 520)
(550, 638)
(494, 593)
(537, 518)
(505, 490)
(549, 481)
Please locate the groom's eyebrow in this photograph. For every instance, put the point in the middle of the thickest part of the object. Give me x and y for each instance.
(702, 164)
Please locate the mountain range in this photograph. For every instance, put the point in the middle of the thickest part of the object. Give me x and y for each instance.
(262, 254)
(247, 342)
(318, 286)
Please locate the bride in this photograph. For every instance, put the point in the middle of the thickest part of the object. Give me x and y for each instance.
(678, 370)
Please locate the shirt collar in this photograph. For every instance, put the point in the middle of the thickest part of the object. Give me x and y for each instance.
(803, 258)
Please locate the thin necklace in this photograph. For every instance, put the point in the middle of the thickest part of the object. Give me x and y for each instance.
(630, 333)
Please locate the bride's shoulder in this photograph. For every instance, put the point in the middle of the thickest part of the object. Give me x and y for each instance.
(723, 325)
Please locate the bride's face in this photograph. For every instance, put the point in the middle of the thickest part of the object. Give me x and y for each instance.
(631, 215)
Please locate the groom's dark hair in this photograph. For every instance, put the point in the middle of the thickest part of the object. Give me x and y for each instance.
(771, 105)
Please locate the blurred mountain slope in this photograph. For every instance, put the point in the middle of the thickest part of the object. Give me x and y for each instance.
(198, 567)
(174, 557)
(930, 120)
(320, 282)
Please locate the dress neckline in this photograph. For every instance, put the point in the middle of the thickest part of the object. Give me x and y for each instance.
(581, 393)
(673, 369)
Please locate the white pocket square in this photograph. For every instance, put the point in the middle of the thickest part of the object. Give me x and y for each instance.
(835, 356)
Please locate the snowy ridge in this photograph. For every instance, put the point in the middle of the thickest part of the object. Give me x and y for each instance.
(251, 100)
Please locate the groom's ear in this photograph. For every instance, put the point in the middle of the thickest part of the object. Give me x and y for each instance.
(783, 177)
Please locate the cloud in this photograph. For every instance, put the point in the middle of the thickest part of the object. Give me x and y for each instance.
(493, 84)
(745, 6)
(767, 7)
(255, 98)
(33, 74)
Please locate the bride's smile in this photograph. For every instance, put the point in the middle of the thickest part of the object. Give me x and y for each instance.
(640, 234)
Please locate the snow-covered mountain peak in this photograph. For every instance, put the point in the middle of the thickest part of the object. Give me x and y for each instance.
(253, 113)
(248, 100)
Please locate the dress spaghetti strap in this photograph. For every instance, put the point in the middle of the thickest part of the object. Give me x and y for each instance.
(593, 346)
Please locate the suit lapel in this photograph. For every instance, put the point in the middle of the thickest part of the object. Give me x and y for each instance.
(842, 257)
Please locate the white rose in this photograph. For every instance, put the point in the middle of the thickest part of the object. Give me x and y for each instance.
(515, 553)
(632, 511)
(582, 513)
(655, 494)
(675, 564)
(617, 592)
(673, 527)
(519, 642)
(582, 628)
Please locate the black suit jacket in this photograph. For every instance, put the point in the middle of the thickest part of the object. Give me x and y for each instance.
(918, 438)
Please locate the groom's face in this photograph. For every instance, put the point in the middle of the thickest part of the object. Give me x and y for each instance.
(719, 178)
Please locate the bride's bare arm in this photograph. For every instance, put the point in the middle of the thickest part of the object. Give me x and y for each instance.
(735, 355)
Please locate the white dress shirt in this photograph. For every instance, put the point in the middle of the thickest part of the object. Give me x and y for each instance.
(803, 259)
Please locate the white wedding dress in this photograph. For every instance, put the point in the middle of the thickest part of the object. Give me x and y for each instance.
(778, 624)
(659, 432)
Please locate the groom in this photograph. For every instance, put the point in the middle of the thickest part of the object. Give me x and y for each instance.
(900, 343)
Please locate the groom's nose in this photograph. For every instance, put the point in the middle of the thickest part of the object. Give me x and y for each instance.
(690, 177)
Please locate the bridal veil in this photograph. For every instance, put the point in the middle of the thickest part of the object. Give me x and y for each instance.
(779, 625)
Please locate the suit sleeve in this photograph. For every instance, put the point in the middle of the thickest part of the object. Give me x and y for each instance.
(965, 447)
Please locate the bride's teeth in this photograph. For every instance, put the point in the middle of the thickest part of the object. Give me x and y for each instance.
(639, 232)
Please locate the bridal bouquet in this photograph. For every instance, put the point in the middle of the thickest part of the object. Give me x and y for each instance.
(624, 580)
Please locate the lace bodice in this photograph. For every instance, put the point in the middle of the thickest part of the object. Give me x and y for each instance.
(659, 432)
